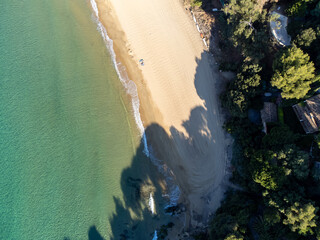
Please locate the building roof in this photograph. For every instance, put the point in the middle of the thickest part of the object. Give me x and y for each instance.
(269, 112)
(308, 113)
(279, 28)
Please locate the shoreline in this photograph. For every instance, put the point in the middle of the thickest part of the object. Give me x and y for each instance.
(123, 56)
(172, 135)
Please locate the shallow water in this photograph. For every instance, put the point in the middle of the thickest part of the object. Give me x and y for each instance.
(65, 134)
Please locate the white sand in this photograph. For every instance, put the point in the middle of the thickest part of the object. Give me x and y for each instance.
(180, 84)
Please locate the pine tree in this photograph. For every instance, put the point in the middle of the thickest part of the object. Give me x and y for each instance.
(301, 218)
(293, 73)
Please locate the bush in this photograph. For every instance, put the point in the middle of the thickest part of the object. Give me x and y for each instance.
(298, 8)
(305, 38)
(196, 3)
(280, 115)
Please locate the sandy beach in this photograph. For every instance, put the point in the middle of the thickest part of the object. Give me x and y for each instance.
(178, 92)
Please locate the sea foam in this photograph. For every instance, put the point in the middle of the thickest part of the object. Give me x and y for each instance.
(155, 236)
(129, 85)
(151, 204)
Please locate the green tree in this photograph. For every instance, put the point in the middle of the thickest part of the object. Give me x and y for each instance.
(305, 38)
(196, 3)
(294, 160)
(242, 11)
(317, 231)
(279, 136)
(263, 228)
(222, 225)
(266, 173)
(293, 73)
(298, 161)
(301, 218)
(248, 23)
(246, 133)
(249, 79)
(315, 173)
(235, 101)
(266, 178)
(285, 197)
(232, 217)
(298, 7)
(317, 140)
(316, 11)
(233, 237)
(271, 216)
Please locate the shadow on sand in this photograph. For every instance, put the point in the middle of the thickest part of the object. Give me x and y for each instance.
(183, 152)
(200, 139)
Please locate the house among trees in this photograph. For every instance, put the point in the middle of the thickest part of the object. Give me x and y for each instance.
(308, 113)
(268, 114)
(278, 25)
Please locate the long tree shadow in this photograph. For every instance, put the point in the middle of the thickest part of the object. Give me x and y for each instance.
(133, 217)
(93, 234)
(195, 155)
(203, 145)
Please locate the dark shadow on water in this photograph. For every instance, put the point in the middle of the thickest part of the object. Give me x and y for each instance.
(93, 234)
(132, 218)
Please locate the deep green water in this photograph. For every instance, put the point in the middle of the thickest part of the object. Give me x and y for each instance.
(65, 135)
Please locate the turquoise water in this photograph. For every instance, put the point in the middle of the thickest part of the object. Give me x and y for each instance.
(65, 134)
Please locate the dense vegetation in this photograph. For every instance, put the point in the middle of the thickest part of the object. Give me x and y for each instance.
(280, 185)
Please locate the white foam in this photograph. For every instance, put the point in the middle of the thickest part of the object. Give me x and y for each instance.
(155, 237)
(173, 189)
(95, 7)
(129, 85)
(151, 204)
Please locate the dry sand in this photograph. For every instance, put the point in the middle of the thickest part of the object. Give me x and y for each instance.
(177, 91)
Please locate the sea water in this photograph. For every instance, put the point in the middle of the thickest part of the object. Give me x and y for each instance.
(66, 130)
(72, 153)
